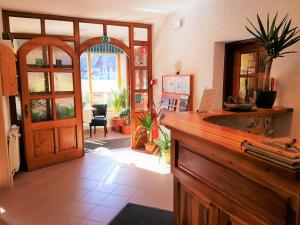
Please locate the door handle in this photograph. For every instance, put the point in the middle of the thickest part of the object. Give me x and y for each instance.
(26, 111)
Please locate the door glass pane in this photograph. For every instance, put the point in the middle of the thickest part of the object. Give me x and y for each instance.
(140, 55)
(24, 25)
(39, 83)
(57, 27)
(63, 82)
(141, 102)
(38, 57)
(119, 32)
(60, 58)
(41, 110)
(140, 34)
(65, 108)
(141, 79)
(248, 63)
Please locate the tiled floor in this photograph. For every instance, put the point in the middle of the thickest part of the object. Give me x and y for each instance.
(87, 191)
(100, 134)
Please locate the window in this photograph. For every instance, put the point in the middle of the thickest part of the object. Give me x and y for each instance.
(245, 65)
(101, 73)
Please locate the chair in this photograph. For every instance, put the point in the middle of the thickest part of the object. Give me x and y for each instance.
(99, 118)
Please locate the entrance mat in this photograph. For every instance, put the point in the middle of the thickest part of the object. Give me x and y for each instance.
(94, 146)
(133, 214)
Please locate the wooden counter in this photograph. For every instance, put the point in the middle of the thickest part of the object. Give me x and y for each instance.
(215, 182)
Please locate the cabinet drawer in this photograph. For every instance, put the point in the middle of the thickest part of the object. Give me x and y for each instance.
(251, 196)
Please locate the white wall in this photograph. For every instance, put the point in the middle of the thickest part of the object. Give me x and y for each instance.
(199, 44)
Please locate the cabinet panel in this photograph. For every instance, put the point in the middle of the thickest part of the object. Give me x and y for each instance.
(8, 71)
(193, 211)
(258, 200)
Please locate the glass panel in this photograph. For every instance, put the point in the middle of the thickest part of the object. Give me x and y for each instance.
(71, 44)
(88, 31)
(141, 102)
(24, 25)
(63, 82)
(248, 63)
(140, 34)
(119, 32)
(19, 42)
(85, 88)
(38, 57)
(262, 62)
(251, 86)
(64, 108)
(60, 58)
(41, 110)
(140, 55)
(56, 27)
(141, 79)
(39, 83)
(18, 107)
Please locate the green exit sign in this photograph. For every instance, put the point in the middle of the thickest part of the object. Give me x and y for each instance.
(105, 39)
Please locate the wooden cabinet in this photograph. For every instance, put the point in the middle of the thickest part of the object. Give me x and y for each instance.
(216, 184)
(8, 71)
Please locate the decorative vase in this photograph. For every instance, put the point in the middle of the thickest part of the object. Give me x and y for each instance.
(117, 123)
(265, 99)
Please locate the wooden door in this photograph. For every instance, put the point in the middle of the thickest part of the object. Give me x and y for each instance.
(51, 102)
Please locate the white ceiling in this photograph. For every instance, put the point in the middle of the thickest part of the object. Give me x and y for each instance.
(125, 10)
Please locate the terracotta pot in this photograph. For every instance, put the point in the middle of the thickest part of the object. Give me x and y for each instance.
(117, 123)
(149, 147)
(126, 129)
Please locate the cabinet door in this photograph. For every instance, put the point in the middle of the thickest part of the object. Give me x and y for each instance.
(225, 219)
(192, 210)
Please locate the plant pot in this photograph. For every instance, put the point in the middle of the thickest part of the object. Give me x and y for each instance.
(265, 99)
(117, 123)
(149, 147)
(167, 156)
(126, 129)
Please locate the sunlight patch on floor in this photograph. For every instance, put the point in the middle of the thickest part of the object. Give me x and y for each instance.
(139, 159)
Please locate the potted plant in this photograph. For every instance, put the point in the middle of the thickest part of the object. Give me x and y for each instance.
(164, 146)
(274, 38)
(119, 101)
(125, 128)
(146, 125)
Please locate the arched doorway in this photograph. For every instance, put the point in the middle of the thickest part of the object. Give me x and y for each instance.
(105, 79)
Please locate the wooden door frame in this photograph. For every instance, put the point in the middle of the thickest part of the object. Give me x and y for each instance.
(22, 53)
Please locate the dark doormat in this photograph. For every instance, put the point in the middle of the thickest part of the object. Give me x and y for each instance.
(93, 146)
(134, 214)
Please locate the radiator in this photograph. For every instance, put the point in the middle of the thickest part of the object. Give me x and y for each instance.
(14, 149)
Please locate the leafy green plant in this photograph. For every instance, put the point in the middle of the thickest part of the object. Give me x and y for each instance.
(7, 36)
(126, 115)
(163, 143)
(274, 38)
(119, 99)
(147, 123)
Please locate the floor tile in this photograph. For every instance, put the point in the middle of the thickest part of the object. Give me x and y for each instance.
(125, 190)
(90, 222)
(102, 214)
(115, 201)
(94, 197)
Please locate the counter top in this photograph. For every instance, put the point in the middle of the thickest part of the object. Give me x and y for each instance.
(194, 124)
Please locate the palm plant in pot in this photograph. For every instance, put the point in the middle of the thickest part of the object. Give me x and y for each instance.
(119, 102)
(164, 146)
(147, 122)
(274, 38)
